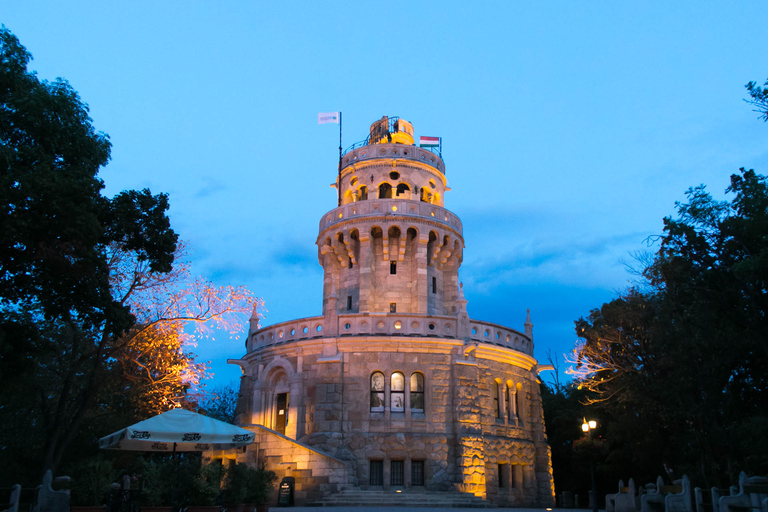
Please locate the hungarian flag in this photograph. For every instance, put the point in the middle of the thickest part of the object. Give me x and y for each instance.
(429, 142)
(327, 117)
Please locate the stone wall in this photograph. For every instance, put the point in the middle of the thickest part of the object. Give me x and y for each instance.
(458, 437)
(317, 474)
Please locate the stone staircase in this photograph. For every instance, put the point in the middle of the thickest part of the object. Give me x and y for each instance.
(405, 498)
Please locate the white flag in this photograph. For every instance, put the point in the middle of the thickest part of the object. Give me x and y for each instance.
(327, 117)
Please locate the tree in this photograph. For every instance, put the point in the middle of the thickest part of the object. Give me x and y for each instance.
(759, 99)
(221, 402)
(688, 358)
(95, 304)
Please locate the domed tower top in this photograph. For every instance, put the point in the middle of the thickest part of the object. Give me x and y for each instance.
(388, 165)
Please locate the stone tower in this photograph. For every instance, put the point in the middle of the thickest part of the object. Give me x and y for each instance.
(394, 386)
(391, 247)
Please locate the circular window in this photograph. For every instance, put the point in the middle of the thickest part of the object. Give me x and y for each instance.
(508, 338)
(431, 327)
(414, 325)
(280, 334)
(353, 182)
(380, 325)
(394, 175)
(364, 326)
(432, 183)
(398, 325)
(474, 330)
(305, 330)
(271, 336)
(447, 327)
(347, 326)
(319, 328)
(487, 333)
(293, 331)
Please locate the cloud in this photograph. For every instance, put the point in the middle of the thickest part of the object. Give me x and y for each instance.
(210, 187)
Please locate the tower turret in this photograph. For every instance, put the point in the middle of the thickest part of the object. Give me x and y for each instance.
(391, 247)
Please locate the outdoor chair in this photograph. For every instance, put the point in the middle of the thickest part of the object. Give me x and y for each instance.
(610, 499)
(626, 501)
(653, 500)
(753, 492)
(710, 501)
(13, 501)
(679, 501)
(49, 500)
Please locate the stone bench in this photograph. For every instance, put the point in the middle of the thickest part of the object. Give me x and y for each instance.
(12, 503)
(753, 494)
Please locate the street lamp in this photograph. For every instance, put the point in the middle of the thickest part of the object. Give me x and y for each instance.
(587, 427)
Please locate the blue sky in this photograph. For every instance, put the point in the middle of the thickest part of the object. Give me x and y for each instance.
(569, 129)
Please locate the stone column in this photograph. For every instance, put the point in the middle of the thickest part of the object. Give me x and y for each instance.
(364, 263)
(423, 286)
(470, 460)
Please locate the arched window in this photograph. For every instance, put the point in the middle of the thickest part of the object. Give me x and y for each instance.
(510, 408)
(363, 193)
(377, 392)
(417, 392)
(385, 191)
(403, 190)
(519, 405)
(496, 397)
(397, 392)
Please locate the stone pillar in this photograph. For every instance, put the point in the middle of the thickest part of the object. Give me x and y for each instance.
(462, 332)
(423, 286)
(470, 460)
(366, 259)
(331, 315)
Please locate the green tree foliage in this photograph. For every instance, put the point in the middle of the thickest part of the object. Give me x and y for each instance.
(759, 98)
(221, 402)
(57, 311)
(681, 369)
(95, 300)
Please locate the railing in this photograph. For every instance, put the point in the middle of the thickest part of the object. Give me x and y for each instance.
(396, 208)
(391, 128)
(389, 324)
(365, 142)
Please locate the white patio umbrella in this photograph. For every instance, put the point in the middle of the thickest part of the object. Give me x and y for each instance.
(178, 430)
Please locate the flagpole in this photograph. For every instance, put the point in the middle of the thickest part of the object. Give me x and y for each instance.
(338, 183)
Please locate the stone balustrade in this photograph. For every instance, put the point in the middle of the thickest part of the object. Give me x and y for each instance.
(387, 324)
(394, 208)
(397, 151)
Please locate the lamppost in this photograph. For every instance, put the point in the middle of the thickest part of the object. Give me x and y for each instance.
(587, 427)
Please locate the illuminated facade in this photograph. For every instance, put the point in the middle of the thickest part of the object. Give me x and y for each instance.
(394, 387)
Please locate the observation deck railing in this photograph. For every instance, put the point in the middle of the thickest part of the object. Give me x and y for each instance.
(389, 324)
(366, 142)
(391, 207)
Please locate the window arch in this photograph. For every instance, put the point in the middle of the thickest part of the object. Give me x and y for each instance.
(397, 392)
(497, 398)
(519, 404)
(385, 191)
(377, 392)
(417, 392)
